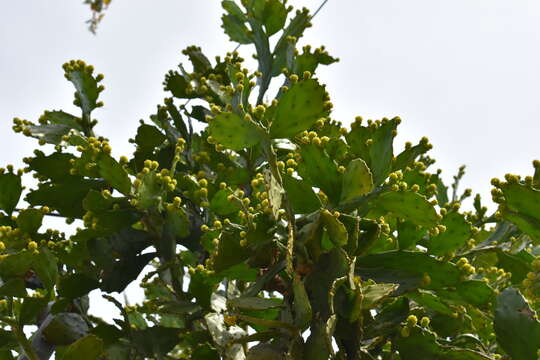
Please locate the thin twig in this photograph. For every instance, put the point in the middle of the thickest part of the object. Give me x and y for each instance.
(319, 9)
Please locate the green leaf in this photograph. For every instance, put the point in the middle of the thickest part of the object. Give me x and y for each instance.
(301, 305)
(357, 180)
(89, 347)
(221, 206)
(124, 272)
(46, 267)
(178, 86)
(408, 205)
(298, 109)
(516, 326)
(240, 272)
(407, 269)
(65, 197)
(235, 27)
(30, 309)
(115, 174)
(64, 329)
(229, 252)
(86, 85)
(301, 195)
(29, 220)
(234, 132)
(474, 292)
(155, 341)
(149, 137)
(55, 166)
(381, 150)
(16, 265)
(521, 206)
(458, 231)
(13, 287)
(319, 169)
(253, 303)
(11, 191)
(336, 230)
(430, 301)
(274, 16)
(408, 235)
(308, 61)
(409, 155)
(295, 28)
(374, 294)
(76, 285)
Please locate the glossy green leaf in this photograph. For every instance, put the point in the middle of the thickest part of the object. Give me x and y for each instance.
(357, 180)
(374, 294)
(516, 326)
(11, 191)
(234, 132)
(298, 109)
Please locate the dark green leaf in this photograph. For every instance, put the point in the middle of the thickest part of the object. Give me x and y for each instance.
(89, 347)
(11, 189)
(516, 326)
(115, 174)
(29, 220)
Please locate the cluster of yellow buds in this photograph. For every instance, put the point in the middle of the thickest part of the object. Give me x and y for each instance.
(532, 282)
(465, 267)
(312, 137)
(80, 66)
(410, 323)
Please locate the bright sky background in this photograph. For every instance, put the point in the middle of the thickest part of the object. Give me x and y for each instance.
(463, 73)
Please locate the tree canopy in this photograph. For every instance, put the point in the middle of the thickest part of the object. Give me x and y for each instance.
(275, 232)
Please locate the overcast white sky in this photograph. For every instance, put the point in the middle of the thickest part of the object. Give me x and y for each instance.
(464, 73)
